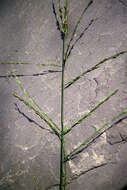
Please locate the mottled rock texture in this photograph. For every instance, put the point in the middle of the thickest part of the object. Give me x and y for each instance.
(28, 149)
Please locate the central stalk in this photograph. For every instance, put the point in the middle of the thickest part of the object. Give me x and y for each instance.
(62, 164)
(64, 27)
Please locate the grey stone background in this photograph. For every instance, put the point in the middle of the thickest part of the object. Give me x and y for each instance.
(28, 34)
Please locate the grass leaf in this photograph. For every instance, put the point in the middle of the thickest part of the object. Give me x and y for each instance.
(55, 130)
(34, 102)
(14, 63)
(90, 112)
(94, 135)
(76, 27)
(49, 64)
(93, 68)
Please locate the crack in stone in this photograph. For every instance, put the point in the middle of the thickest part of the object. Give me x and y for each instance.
(122, 141)
(76, 176)
(96, 86)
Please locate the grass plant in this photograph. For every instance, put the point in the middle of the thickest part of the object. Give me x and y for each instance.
(60, 132)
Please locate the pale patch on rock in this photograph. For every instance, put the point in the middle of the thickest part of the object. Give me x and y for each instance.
(82, 164)
(73, 167)
(102, 141)
(24, 148)
(87, 161)
(99, 159)
(33, 157)
(10, 177)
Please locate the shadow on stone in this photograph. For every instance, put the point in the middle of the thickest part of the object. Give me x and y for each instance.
(97, 136)
(31, 120)
(58, 25)
(57, 20)
(124, 188)
(25, 75)
(80, 36)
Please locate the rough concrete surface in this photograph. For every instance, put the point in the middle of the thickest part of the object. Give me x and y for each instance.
(28, 149)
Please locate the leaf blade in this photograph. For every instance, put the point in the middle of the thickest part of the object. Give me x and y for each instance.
(90, 112)
(55, 130)
(76, 27)
(93, 68)
(93, 136)
(33, 101)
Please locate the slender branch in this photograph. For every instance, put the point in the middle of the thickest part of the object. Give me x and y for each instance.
(76, 27)
(94, 136)
(49, 64)
(14, 63)
(31, 120)
(61, 12)
(90, 112)
(36, 183)
(93, 68)
(34, 102)
(23, 63)
(74, 177)
(51, 186)
(55, 130)
(80, 36)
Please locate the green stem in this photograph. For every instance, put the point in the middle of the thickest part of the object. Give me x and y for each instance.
(76, 27)
(62, 152)
(62, 165)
